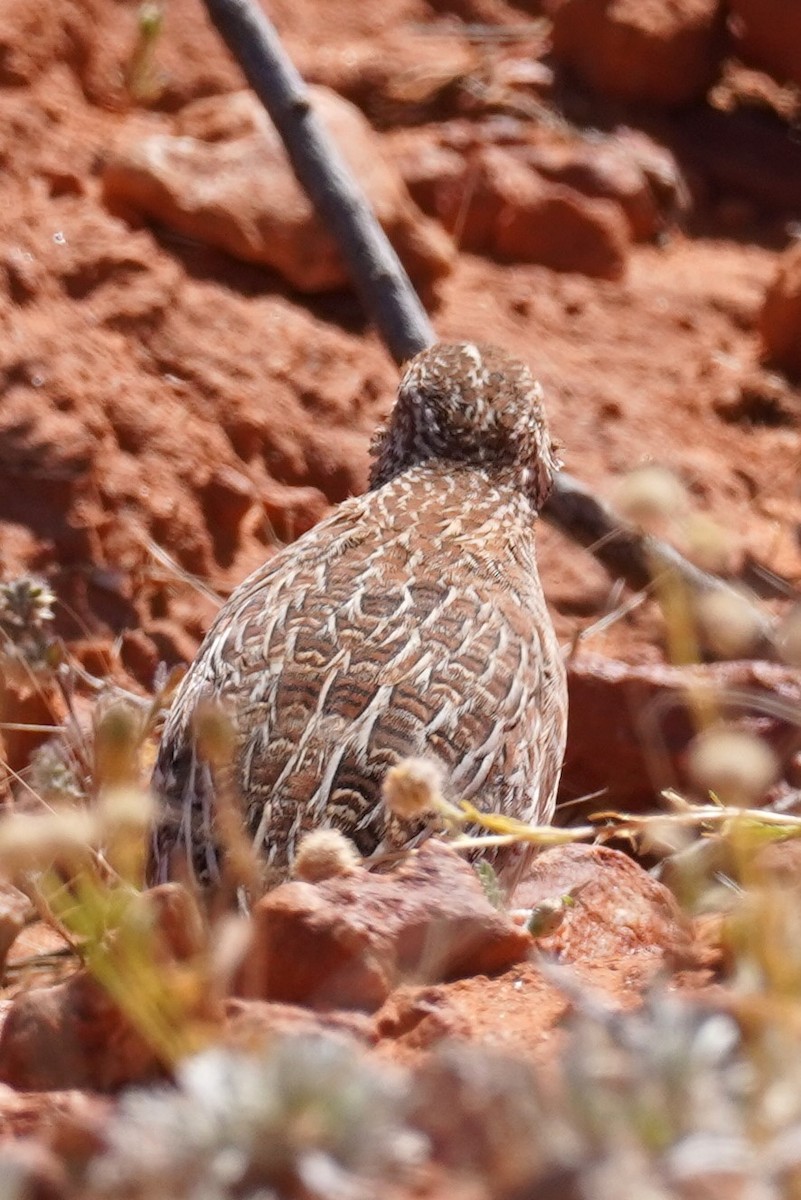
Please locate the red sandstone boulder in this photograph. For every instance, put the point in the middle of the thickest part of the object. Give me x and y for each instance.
(516, 215)
(221, 175)
(74, 1035)
(251, 1024)
(640, 176)
(630, 726)
(615, 910)
(663, 52)
(346, 942)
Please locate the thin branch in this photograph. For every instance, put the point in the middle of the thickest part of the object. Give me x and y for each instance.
(391, 302)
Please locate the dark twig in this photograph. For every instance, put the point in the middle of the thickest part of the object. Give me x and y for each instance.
(390, 299)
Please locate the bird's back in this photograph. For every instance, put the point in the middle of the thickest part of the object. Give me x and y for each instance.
(409, 622)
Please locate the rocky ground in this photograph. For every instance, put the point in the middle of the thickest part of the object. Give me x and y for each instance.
(188, 383)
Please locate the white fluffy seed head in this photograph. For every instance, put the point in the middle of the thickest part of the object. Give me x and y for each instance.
(324, 854)
(736, 766)
(122, 809)
(650, 495)
(707, 544)
(38, 841)
(413, 788)
(728, 624)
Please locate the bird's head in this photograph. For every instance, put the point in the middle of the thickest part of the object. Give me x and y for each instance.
(468, 404)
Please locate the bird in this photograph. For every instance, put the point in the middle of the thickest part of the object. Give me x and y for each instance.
(410, 622)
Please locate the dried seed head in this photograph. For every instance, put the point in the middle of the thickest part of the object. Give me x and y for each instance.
(26, 616)
(728, 624)
(664, 837)
(413, 788)
(151, 19)
(39, 841)
(25, 603)
(118, 731)
(215, 734)
(707, 544)
(125, 809)
(737, 767)
(546, 917)
(650, 495)
(323, 854)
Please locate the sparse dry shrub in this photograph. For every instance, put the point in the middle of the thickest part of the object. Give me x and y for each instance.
(309, 1117)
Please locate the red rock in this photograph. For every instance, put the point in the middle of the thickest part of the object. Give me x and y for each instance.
(634, 172)
(68, 1122)
(518, 1013)
(768, 35)
(223, 177)
(178, 921)
(37, 940)
(290, 511)
(26, 700)
(626, 166)
(227, 497)
(395, 79)
(780, 319)
(347, 941)
(111, 266)
(32, 38)
(173, 645)
(557, 227)
(630, 725)
(95, 656)
(249, 1024)
(189, 59)
(73, 1035)
(480, 1111)
(430, 171)
(139, 656)
(419, 1018)
(516, 215)
(617, 909)
(663, 52)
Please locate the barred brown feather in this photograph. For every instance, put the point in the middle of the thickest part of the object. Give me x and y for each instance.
(411, 621)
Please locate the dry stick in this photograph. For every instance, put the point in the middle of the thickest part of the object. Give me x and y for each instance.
(391, 302)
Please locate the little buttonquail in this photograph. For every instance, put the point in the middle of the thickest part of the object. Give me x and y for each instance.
(410, 622)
